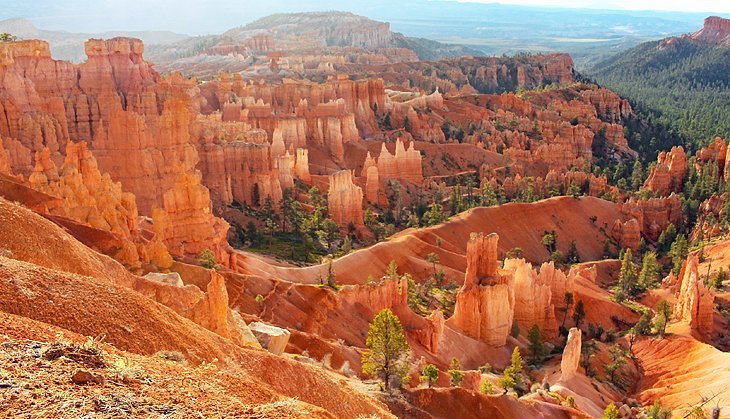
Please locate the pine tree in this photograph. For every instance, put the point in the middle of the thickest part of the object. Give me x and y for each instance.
(387, 350)
(512, 376)
(628, 278)
(649, 271)
(430, 374)
(573, 256)
(568, 304)
(536, 347)
(433, 259)
(579, 314)
(678, 251)
(455, 372)
(664, 313)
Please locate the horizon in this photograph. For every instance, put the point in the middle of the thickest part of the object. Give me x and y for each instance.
(708, 6)
(204, 18)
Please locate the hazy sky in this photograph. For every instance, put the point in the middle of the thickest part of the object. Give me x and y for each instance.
(216, 16)
(719, 6)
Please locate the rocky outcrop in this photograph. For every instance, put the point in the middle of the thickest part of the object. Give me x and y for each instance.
(431, 335)
(668, 174)
(485, 304)
(5, 168)
(533, 298)
(559, 282)
(95, 200)
(627, 234)
(716, 30)
(405, 164)
(373, 188)
(654, 215)
(135, 122)
(493, 298)
(186, 224)
(301, 165)
(345, 200)
(486, 74)
(695, 301)
(571, 355)
(208, 309)
(243, 171)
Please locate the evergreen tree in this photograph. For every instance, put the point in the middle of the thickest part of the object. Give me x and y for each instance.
(664, 313)
(433, 259)
(536, 347)
(512, 377)
(568, 304)
(579, 314)
(387, 350)
(649, 271)
(430, 374)
(628, 278)
(455, 372)
(678, 252)
(573, 256)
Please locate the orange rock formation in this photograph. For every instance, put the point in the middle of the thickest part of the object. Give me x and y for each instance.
(186, 224)
(695, 302)
(485, 304)
(571, 355)
(345, 199)
(668, 174)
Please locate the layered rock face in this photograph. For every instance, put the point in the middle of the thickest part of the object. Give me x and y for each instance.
(571, 354)
(345, 200)
(330, 113)
(716, 30)
(487, 74)
(654, 215)
(4, 160)
(186, 224)
(135, 123)
(695, 302)
(244, 171)
(485, 304)
(668, 174)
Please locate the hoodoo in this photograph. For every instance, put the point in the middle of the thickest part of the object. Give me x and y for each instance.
(312, 196)
(485, 304)
(571, 355)
(695, 302)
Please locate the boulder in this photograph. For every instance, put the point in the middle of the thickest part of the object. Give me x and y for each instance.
(272, 338)
(172, 278)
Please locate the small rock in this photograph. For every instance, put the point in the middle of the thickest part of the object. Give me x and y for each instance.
(82, 377)
(624, 411)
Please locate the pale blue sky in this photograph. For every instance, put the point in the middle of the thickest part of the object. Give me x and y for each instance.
(718, 6)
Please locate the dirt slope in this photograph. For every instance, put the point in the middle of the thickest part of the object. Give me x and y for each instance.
(680, 370)
(518, 225)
